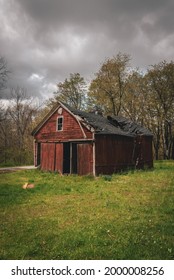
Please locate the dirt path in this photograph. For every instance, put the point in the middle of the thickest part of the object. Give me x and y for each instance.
(16, 168)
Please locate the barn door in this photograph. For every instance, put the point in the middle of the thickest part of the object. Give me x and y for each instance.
(67, 158)
(59, 157)
(47, 156)
(85, 159)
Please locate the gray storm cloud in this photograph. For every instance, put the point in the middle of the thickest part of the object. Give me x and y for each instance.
(43, 41)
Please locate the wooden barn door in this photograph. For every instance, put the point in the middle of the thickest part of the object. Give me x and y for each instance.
(85, 159)
(47, 156)
(59, 158)
(67, 158)
(52, 157)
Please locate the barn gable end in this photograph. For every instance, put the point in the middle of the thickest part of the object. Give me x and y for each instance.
(71, 128)
(63, 150)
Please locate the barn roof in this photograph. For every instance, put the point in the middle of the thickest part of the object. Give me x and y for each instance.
(100, 124)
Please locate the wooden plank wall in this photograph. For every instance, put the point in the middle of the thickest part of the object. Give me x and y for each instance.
(52, 157)
(47, 156)
(59, 158)
(113, 153)
(116, 153)
(85, 159)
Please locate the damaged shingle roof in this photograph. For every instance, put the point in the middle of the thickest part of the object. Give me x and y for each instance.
(100, 124)
(129, 126)
(110, 125)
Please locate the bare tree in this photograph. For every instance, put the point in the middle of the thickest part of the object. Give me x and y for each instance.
(4, 72)
(21, 113)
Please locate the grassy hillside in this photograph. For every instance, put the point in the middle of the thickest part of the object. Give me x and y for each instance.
(126, 216)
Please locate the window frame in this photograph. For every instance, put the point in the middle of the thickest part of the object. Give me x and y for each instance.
(57, 124)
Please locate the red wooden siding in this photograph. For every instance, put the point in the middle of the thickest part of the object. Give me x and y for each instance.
(47, 156)
(113, 153)
(85, 158)
(51, 157)
(71, 129)
(59, 158)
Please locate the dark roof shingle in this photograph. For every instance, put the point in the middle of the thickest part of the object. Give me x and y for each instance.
(129, 126)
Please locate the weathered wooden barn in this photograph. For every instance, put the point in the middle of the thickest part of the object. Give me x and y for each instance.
(70, 141)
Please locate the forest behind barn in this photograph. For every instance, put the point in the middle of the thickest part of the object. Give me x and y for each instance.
(145, 97)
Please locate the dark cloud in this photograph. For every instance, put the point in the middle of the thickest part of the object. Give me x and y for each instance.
(43, 41)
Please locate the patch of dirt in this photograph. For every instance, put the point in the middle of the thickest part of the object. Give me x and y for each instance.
(28, 186)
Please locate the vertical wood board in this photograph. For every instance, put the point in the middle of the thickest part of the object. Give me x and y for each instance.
(85, 158)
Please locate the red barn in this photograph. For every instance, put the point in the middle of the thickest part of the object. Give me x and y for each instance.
(70, 141)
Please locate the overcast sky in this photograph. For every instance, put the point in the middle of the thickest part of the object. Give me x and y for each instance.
(43, 41)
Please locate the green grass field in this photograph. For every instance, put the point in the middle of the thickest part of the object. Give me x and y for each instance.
(126, 216)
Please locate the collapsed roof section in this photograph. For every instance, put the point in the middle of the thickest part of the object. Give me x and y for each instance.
(129, 126)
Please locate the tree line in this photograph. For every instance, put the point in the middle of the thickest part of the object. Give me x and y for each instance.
(145, 97)
(17, 118)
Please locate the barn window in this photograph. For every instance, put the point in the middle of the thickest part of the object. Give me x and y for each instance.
(60, 123)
